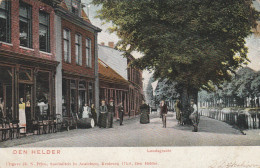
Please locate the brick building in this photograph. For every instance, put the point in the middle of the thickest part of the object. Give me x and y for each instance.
(136, 94)
(77, 74)
(27, 60)
(118, 80)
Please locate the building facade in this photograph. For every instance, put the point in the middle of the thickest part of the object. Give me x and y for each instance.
(77, 77)
(136, 94)
(27, 60)
(125, 85)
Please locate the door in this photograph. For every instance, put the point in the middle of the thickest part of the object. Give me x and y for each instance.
(25, 97)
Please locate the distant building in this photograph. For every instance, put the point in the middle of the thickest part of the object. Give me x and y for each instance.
(118, 80)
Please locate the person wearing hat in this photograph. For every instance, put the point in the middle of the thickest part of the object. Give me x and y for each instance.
(121, 112)
(102, 119)
(163, 112)
(111, 112)
(194, 116)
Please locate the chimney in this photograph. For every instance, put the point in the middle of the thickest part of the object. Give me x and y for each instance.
(102, 43)
(111, 44)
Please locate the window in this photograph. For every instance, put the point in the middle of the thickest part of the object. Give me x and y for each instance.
(75, 7)
(66, 45)
(78, 49)
(25, 25)
(42, 95)
(44, 31)
(5, 26)
(88, 53)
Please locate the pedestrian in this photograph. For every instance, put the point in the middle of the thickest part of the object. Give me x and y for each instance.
(194, 116)
(163, 108)
(86, 111)
(102, 119)
(178, 108)
(145, 111)
(111, 112)
(94, 113)
(121, 113)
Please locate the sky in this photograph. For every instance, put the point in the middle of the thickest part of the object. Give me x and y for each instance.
(105, 36)
(253, 42)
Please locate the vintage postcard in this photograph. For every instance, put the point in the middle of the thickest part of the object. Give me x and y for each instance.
(130, 83)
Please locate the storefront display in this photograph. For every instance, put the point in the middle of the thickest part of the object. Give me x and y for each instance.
(76, 93)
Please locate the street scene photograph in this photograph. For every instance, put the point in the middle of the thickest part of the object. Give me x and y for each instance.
(121, 73)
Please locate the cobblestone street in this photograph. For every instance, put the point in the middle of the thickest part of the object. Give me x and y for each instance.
(132, 134)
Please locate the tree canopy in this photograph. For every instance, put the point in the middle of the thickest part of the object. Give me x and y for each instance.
(245, 84)
(196, 43)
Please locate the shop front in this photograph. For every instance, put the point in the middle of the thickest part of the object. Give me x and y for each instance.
(26, 93)
(76, 92)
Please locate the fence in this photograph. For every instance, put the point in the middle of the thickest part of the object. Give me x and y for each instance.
(243, 118)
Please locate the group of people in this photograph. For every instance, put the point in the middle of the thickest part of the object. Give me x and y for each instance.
(106, 113)
(191, 111)
(90, 112)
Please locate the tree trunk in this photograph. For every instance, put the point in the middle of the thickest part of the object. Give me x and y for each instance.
(185, 96)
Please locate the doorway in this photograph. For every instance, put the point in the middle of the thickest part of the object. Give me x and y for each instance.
(25, 97)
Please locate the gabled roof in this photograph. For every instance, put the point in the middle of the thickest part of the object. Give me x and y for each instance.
(113, 58)
(107, 74)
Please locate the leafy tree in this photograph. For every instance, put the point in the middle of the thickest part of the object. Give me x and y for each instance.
(255, 85)
(244, 77)
(197, 43)
(245, 84)
(166, 90)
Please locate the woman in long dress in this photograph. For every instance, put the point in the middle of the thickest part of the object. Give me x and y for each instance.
(94, 113)
(22, 116)
(86, 111)
(102, 119)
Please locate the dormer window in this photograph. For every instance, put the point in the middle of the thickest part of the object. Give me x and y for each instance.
(74, 6)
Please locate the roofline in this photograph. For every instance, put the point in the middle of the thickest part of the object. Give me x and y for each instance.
(77, 20)
(113, 71)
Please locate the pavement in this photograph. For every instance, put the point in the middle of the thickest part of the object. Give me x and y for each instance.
(133, 134)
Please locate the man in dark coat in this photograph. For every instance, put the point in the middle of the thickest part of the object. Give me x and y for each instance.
(111, 112)
(121, 113)
(163, 112)
(102, 119)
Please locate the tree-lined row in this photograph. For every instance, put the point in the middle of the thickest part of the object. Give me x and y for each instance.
(243, 91)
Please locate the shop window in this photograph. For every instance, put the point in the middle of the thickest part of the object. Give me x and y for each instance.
(88, 53)
(43, 94)
(73, 84)
(5, 26)
(73, 98)
(82, 95)
(6, 99)
(78, 52)
(66, 45)
(91, 93)
(64, 97)
(25, 75)
(73, 102)
(44, 31)
(25, 22)
(82, 85)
